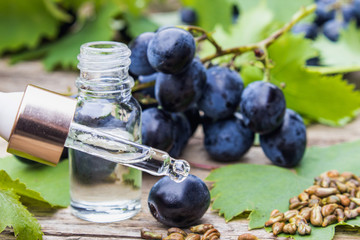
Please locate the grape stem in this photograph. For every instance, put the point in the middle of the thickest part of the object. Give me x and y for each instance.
(140, 86)
(262, 45)
(203, 35)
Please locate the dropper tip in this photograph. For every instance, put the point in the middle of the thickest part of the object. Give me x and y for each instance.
(180, 170)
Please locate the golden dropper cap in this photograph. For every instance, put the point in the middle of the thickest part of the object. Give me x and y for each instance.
(41, 125)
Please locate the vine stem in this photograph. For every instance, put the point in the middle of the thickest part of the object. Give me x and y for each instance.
(203, 35)
(139, 86)
(303, 12)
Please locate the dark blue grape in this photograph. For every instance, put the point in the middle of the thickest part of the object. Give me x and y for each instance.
(179, 204)
(356, 4)
(157, 128)
(235, 13)
(90, 169)
(332, 29)
(262, 106)
(94, 114)
(65, 153)
(309, 29)
(171, 50)
(222, 92)
(193, 116)
(188, 16)
(324, 12)
(177, 92)
(181, 134)
(227, 140)
(286, 145)
(315, 61)
(348, 12)
(139, 61)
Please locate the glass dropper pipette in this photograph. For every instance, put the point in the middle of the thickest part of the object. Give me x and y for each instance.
(39, 123)
(120, 150)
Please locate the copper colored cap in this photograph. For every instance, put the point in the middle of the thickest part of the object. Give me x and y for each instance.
(41, 125)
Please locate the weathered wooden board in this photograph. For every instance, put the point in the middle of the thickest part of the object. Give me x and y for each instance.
(61, 224)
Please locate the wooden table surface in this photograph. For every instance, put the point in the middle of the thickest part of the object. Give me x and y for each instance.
(60, 224)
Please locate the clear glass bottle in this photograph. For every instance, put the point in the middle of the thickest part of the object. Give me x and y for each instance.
(101, 190)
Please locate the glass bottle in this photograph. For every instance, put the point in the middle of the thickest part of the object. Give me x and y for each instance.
(101, 190)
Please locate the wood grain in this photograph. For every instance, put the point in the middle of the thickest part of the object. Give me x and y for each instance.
(61, 224)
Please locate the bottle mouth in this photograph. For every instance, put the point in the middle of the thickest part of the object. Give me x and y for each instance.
(103, 56)
(104, 68)
(105, 85)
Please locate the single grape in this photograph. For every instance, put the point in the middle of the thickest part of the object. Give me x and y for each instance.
(179, 204)
(89, 169)
(139, 62)
(262, 106)
(235, 13)
(227, 140)
(94, 114)
(177, 92)
(157, 129)
(222, 92)
(188, 16)
(315, 61)
(181, 134)
(171, 50)
(310, 30)
(349, 12)
(286, 145)
(332, 29)
(324, 12)
(356, 4)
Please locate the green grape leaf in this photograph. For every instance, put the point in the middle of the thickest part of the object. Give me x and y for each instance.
(166, 18)
(78, 4)
(23, 24)
(309, 93)
(133, 177)
(57, 11)
(63, 52)
(209, 15)
(51, 183)
(133, 7)
(259, 189)
(19, 188)
(342, 157)
(344, 52)
(14, 214)
(139, 24)
(283, 9)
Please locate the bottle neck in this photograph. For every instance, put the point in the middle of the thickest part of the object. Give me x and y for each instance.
(104, 70)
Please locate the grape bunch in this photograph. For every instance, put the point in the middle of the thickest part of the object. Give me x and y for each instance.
(331, 17)
(230, 113)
